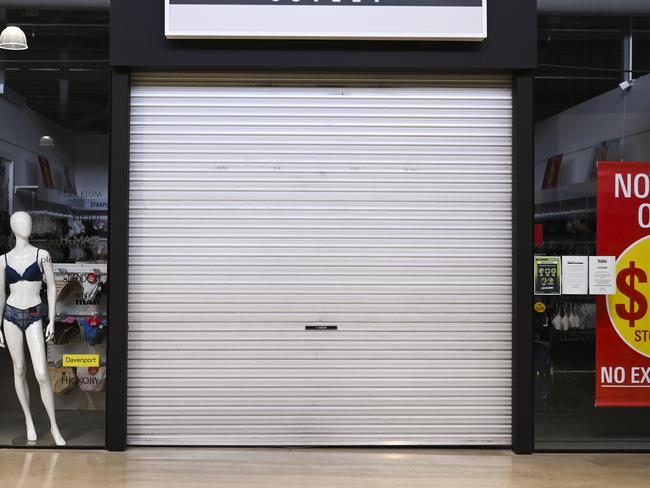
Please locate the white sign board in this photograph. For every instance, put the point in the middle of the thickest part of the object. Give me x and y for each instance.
(575, 275)
(602, 275)
(434, 20)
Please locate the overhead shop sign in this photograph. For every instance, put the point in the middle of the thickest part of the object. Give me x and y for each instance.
(440, 20)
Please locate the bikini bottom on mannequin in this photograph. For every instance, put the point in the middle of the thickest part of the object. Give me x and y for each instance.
(23, 318)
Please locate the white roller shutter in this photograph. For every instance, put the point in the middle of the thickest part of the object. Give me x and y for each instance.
(258, 208)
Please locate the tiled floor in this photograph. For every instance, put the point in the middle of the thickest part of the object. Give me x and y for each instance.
(306, 468)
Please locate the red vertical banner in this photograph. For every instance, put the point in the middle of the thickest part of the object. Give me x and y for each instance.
(623, 322)
(539, 235)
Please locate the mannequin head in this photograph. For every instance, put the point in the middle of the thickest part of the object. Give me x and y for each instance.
(21, 225)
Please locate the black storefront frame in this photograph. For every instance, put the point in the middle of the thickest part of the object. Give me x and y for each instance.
(138, 44)
(118, 258)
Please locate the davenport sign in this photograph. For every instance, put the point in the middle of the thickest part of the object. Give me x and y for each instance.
(440, 20)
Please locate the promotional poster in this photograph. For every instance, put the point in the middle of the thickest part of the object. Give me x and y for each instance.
(623, 328)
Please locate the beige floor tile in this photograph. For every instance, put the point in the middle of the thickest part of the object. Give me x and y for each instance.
(328, 468)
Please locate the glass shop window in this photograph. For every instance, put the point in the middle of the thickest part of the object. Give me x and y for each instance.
(592, 106)
(54, 88)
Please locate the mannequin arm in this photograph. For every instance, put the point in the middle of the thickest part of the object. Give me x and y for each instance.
(48, 270)
(3, 299)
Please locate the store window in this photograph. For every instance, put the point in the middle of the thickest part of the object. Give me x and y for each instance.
(592, 105)
(53, 229)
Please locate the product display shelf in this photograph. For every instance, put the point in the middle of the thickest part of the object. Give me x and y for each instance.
(82, 303)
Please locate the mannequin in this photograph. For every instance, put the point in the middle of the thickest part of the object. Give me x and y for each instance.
(23, 268)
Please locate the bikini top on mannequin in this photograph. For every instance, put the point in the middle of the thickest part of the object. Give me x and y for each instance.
(32, 273)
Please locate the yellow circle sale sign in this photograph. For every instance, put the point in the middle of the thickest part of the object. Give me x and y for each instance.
(628, 308)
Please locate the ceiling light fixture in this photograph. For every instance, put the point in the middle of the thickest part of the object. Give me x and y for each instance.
(46, 141)
(13, 39)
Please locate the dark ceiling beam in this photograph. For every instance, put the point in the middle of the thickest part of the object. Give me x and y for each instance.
(576, 7)
(594, 7)
(74, 73)
(58, 4)
(52, 62)
(53, 26)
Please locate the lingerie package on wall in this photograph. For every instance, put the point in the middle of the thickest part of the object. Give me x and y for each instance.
(63, 380)
(81, 289)
(81, 327)
(71, 239)
(92, 379)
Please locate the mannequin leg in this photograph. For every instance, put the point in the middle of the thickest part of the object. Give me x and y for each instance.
(15, 344)
(36, 344)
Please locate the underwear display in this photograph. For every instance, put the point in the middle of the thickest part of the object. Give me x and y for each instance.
(80, 328)
(32, 273)
(93, 329)
(78, 314)
(92, 379)
(23, 318)
(79, 293)
(63, 380)
(69, 290)
(65, 331)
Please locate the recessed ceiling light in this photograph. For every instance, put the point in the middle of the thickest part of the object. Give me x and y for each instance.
(13, 39)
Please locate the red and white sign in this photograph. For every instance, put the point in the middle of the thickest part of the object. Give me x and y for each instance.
(623, 326)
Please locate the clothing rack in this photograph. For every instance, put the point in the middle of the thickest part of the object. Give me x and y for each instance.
(50, 213)
(565, 213)
(78, 316)
(569, 242)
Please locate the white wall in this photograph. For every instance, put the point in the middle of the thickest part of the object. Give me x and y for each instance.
(576, 132)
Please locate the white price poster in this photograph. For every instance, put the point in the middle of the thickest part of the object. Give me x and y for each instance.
(602, 275)
(575, 275)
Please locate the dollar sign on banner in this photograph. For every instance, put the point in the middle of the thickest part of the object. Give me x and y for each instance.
(626, 282)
